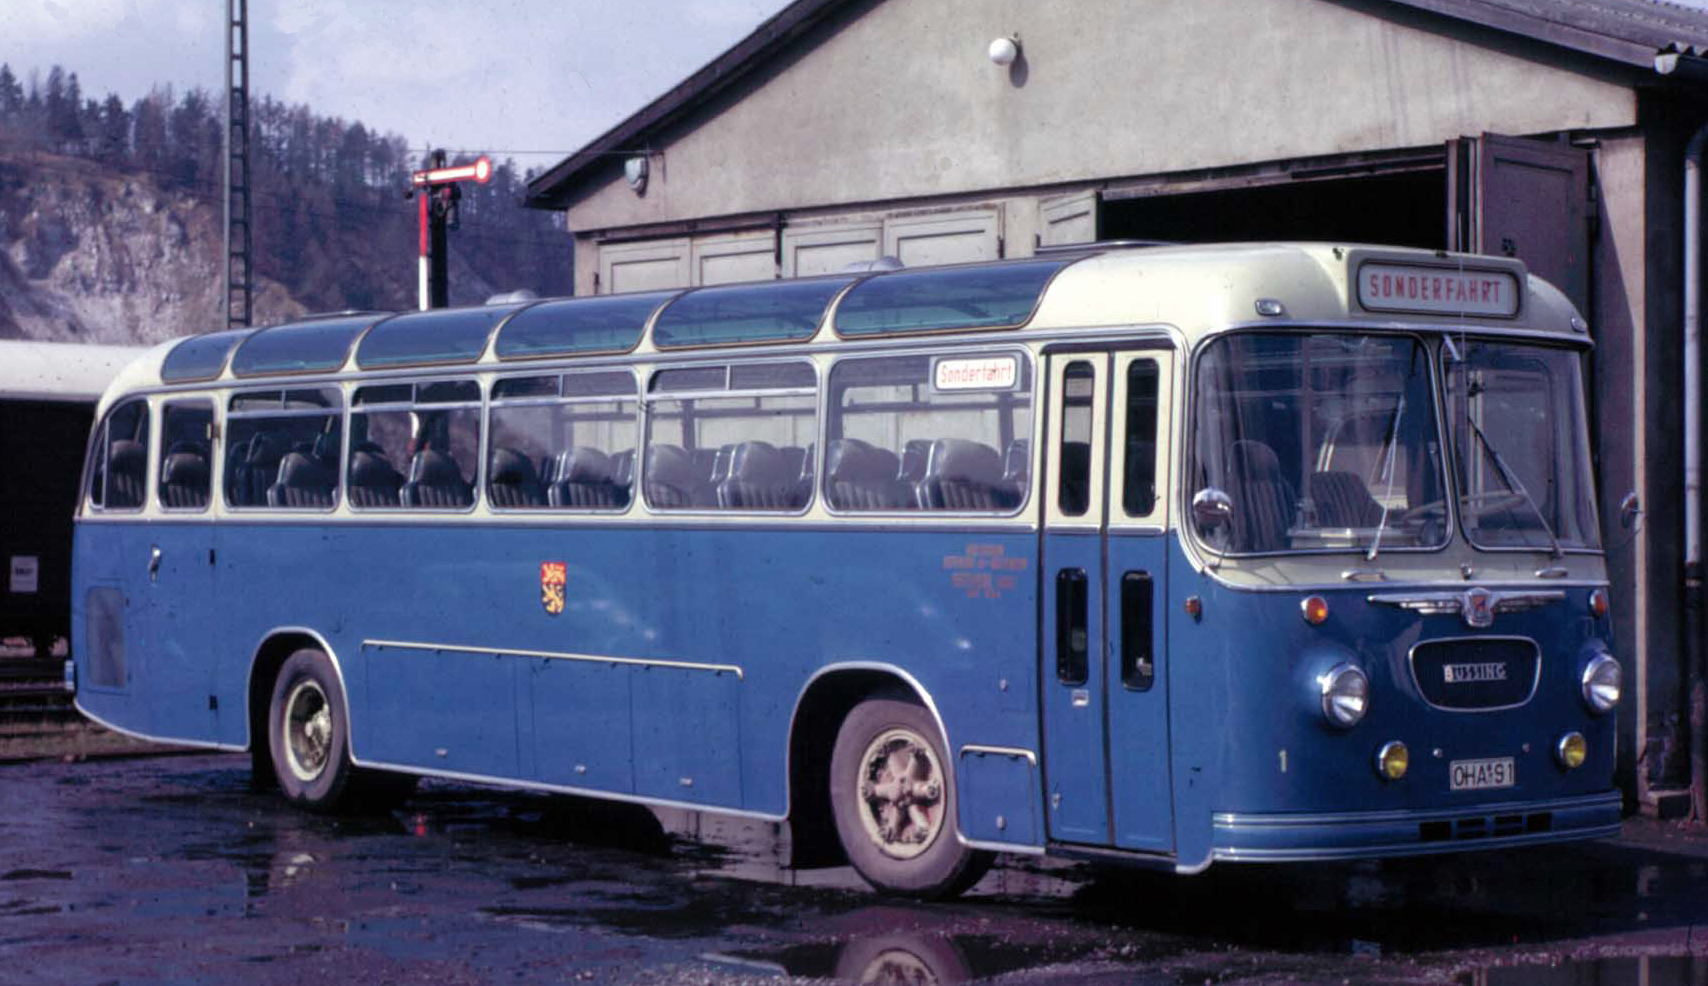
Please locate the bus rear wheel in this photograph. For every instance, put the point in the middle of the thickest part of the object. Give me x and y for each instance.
(892, 792)
(309, 734)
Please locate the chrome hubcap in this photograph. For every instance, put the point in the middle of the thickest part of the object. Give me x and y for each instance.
(307, 731)
(901, 791)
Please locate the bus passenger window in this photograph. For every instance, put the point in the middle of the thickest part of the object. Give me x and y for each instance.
(415, 446)
(1138, 488)
(563, 442)
(739, 437)
(120, 475)
(185, 436)
(1073, 493)
(929, 433)
(282, 449)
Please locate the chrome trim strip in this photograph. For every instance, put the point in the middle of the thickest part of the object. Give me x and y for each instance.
(1017, 848)
(1439, 603)
(1001, 751)
(1536, 680)
(557, 656)
(77, 704)
(1227, 855)
(520, 784)
(1236, 819)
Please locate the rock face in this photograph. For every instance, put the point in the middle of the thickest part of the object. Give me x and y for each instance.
(96, 255)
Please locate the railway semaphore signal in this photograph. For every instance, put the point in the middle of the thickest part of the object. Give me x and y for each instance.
(436, 194)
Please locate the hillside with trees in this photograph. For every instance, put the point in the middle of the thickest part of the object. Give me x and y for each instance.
(111, 216)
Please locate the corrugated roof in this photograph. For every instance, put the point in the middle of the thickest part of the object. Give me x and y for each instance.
(1630, 32)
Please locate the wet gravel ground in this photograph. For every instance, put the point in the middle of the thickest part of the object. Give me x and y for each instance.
(170, 869)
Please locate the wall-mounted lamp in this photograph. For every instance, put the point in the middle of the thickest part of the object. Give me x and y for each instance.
(1003, 51)
(635, 170)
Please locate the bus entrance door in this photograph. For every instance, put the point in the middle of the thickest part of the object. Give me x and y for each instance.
(1105, 681)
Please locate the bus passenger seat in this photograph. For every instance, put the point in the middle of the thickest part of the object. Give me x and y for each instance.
(861, 476)
(1263, 499)
(623, 475)
(709, 492)
(670, 476)
(258, 470)
(762, 477)
(184, 480)
(128, 467)
(373, 482)
(435, 481)
(962, 475)
(303, 482)
(514, 482)
(584, 480)
(1342, 500)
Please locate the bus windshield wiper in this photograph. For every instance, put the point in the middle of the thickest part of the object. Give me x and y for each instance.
(1513, 483)
(1388, 468)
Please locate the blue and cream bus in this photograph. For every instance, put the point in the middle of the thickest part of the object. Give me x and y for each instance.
(1167, 555)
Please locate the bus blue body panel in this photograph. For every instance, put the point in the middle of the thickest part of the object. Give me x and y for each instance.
(672, 673)
(1260, 774)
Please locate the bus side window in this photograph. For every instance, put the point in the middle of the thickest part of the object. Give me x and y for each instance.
(186, 433)
(1138, 492)
(896, 441)
(119, 479)
(282, 449)
(706, 451)
(562, 443)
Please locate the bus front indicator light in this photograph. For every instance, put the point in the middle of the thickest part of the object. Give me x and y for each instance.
(1572, 750)
(1314, 609)
(1598, 605)
(1392, 760)
(1602, 678)
(1345, 695)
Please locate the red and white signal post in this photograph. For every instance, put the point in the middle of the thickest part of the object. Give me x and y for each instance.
(436, 194)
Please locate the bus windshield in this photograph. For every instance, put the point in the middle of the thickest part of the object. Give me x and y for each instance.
(1319, 442)
(1520, 446)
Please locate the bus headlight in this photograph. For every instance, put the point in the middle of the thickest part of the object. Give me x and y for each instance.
(1601, 680)
(1345, 695)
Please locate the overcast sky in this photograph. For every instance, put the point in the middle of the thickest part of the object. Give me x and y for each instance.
(501, 75)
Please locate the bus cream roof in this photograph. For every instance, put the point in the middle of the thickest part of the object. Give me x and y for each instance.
(1203, 289)
(60, 371)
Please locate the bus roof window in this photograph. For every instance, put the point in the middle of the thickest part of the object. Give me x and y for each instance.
(609, 324)
(930, 299)
(314, 346)
(200, 357)
(768, 311)
(440, 336)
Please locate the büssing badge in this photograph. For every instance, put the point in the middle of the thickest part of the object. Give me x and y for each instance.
(554, 578)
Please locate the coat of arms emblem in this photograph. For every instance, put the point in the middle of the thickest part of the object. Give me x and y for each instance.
(554, 580)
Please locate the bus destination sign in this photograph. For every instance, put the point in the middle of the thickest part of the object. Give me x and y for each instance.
(1437, 290)
(978, 373)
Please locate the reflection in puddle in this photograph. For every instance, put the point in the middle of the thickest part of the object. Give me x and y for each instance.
(1648, 970)
(912, 958)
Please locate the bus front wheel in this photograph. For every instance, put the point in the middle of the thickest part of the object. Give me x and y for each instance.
(310, 737)
(892, 791)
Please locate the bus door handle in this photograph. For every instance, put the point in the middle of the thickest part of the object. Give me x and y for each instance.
(154, 563)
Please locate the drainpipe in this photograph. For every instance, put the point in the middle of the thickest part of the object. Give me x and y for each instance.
(1693, 649)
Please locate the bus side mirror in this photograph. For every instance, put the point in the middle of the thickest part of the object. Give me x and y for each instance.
(1631, 512)
(1212, 511)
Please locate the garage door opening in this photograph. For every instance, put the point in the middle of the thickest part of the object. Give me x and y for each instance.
(1403, 209)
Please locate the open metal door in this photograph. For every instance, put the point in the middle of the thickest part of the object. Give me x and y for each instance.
(1530, 199)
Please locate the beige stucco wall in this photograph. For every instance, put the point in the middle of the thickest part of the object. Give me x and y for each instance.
(903, 102)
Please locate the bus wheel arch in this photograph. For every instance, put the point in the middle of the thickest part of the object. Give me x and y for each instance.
(269, 658)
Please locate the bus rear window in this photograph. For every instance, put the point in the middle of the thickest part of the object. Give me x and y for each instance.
(119, 478)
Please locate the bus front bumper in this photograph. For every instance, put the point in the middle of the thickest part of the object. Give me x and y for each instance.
(1240, 837)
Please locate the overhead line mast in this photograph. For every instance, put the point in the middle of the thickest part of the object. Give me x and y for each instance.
(239, 286)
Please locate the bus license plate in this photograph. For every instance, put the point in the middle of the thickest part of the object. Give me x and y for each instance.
(1480, 775)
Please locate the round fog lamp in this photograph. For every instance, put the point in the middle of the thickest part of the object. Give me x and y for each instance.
(1602, 678)
(1572, 750)
(1598, 602)
(1345, 695)
(1392, 760)
(1314, 609)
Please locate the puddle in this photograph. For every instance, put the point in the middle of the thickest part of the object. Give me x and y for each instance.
(1648, 970)
(903, 957)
